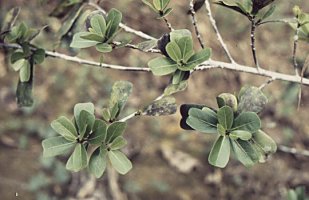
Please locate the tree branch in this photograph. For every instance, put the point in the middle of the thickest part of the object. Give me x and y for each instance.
(292, 150)
(214, 26)
(295, 42)
(169, 25)
(253, 48)
(194, 22)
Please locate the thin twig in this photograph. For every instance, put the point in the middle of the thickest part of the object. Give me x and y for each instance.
(210, 64)
(269, 81)
(194, 22)
(132, 46)
(168, 24)
(295, 42)
(294, 151)
(288, 20)
(123, 26)
(305, 66)
(214, 26)
(253, 48)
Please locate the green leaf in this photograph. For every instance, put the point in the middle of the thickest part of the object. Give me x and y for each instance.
(232, 6)
(147, 45)
(19, 64)
(78, 159)
(98, 24)
(106, 114)
(199, 57)
(120, 162)
(79, 42)
(162, 66)
(120, 94)
(265, 142)
(174, 88)
(98, 132)
(226, 117)
(220, 152)
(173, 51)
(251, 99)
(167, 12)
(184, 111)
(98, 161)
(178, 34)
(259, 4)
(113, 20)
(118, 143)
(114, 130)
(165, 106)
(268, 13)
(78, 108)
(24, 93)
(164, 4)
(9, 19)
(104, 48)
(221, 130)
(247, 121)
(25, 72)
(56, 146)
(114, 111)
(239, 134)
(178, 76)
(64, 127)
(244, 152)
(17, 56)
(85, 123)
(186, 46)
(204, 120)
(157, 4)
(227, 99)
(39, 56)
(93, 37)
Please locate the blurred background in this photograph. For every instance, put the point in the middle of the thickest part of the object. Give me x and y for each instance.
(168, 162)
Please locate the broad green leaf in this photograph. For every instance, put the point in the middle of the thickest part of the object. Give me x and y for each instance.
(103, 47)
(167, 12)
(19, 64)
(98, 132)
(22, 30)
(177, 34)
(165, 106)
(247, 121)
(114, 111)
(114, 130)
(221, 130)
(106, 114)
(204, 121)
(164, 3)
(120, 162)
(232, 6)
(98, 161)
(268, 13)
(227, 99)
(25, 72)
(173, 51)
(79, 42)
(226, 117)
(220, 152)
(239, 134)
(184, 111)
(56, 146)
(174, 88)
(78, 108)
(244, 152)
(157, 4)
(93, 37)
(162, 66)
(118, 143)
(251, 99)
(98, 24)
(113, 20)
(85, 123)
(186, 46)
(64, 127)
(178, 76)
(24, 93)
(78, 159)
(200, 57)
(17, 56)
(39, 56)
(119, 96)
(265, 142)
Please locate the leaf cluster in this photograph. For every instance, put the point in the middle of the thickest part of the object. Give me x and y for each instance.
(94, 141)
(302, 24)
(237, 125)
(179, 58)
(101, 32)
(159, 6)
